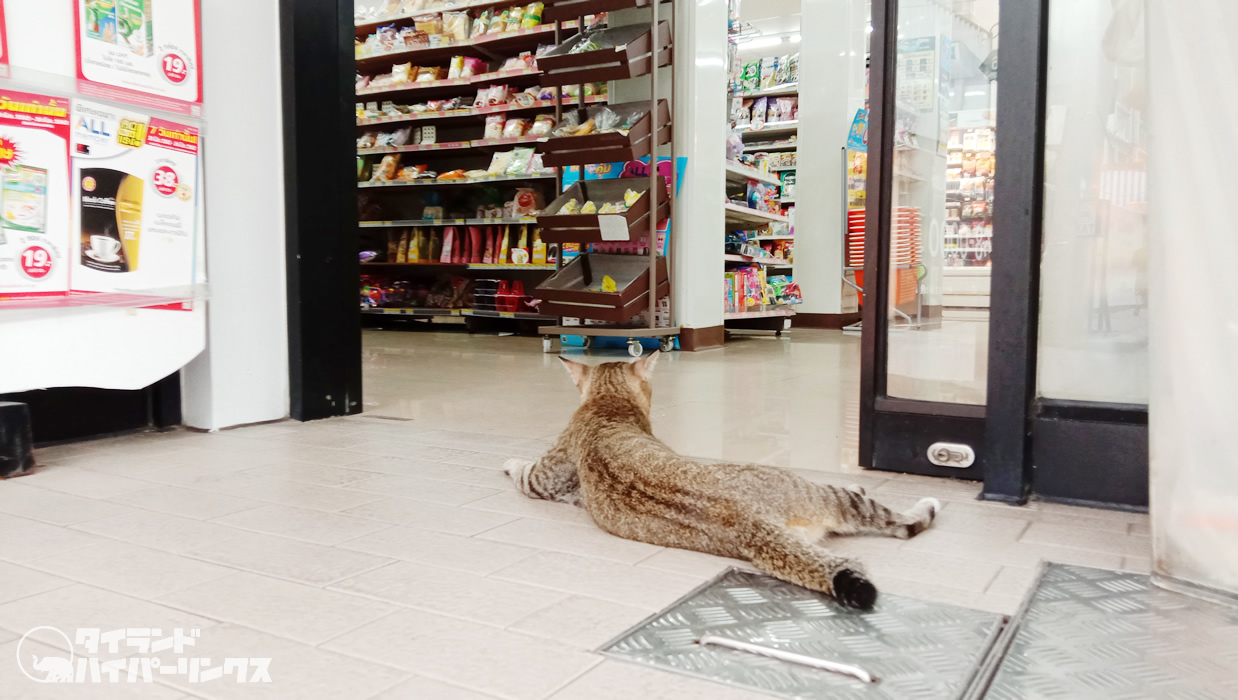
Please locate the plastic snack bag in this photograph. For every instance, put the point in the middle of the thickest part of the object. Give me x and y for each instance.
(386, 169)
(403, 73)
(570, 208)
(542, 125)
(498, 95)
(514, 16)
(455, 68)
(499, 163)
(532, 15)
(783, 71)
(430, 24)
(522, 159)
(750, 78)
(759, 112)
(498, 23)
(429, 74)
(585, 129)
(482, 23)
(494, 127)
(589, 208)
(788, 107)
(793, 68)
(456, 26)
(472, 67)
(515, 128)
(368, 140)
(769, 72)
(483, 97)
(631, 197)
(401, 137)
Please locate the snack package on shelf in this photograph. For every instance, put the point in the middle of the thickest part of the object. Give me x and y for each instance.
(750, 79)
(769, 72)
(532, 15)
(386, 169)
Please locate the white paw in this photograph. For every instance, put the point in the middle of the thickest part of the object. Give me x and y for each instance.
(932, 505)
(516, 469)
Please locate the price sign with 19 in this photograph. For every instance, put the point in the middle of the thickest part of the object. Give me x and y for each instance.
(36, 262)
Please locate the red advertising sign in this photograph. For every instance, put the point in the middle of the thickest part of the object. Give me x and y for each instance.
(4, 44)
(130, 51)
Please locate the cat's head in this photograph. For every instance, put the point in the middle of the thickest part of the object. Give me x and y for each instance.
(614, 378)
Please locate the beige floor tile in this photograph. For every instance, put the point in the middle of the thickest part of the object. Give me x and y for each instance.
(297, 670)
(130, 570)
(314, 455)
(477, 657)
(422, 688)
(688, 563)
(474, 556)
(294, 494)
(400, 466)
(15, 684)
(219, 461)
(25, 539)
(981, 548)
(970, 522)
(431, 516)
(79, 605)
(407, 450)
(596, 578)
(157, 530)
(449, 592)
(517, 504)
(305, 473)
(1140, 528)
(288, 559)
(190, 503)
(117, 463)
(302, 524)
(302, 613)
(430, 490)
(82, 482)
(1013, 581)
(930, 568)
(586, 623)
(1139, 565)
(489, 460)
(948, 595)
(585, 540)
(198, 476)
(1086, 518)
(1077, 538)
(617, 680)
(226, 442)
(52, 507)
(20, 582)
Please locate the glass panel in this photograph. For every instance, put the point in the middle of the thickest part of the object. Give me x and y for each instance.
(942, 231)
(1094, 285)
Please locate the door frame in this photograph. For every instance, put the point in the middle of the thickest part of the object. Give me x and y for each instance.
(1069, 451)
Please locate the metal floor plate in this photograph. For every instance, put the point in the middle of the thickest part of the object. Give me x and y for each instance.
(915, 648)
(1091, 633)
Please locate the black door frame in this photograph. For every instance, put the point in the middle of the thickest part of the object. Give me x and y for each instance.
(1077, 452)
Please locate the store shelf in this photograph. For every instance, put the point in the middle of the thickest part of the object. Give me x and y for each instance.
(470, 266)
(518, 268)
(483, 46)
(739, 174)
(772, 238)
(407, 223)
(495, 77)
(480, 313)
(475, 111)
(766, 313)
(770, 129)
(787, 201)
(441, 183)
(783, 169)
(502, 143)
(752, 260)
(736, 214)
(370, 26)
(784, 89)
(756, 148)
(416, 148)
(909, 176)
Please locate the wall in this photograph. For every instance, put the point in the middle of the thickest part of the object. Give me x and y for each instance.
(1194, 320)
(243, 375)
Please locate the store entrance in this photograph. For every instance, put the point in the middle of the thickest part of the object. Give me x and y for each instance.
(1004, 333)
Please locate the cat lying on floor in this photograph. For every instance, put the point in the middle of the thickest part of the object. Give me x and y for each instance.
(634, 486)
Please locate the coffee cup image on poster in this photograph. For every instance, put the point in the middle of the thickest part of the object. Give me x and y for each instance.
(111, 220)
(135, 195)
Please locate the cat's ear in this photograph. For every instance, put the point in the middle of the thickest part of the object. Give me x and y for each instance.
(643, 367)
(576, 369)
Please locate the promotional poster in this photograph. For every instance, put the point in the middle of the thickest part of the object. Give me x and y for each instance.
(135, 194)
(145, 52)
(34, 194)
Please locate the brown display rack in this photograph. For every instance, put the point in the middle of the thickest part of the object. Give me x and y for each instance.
(640, 280)
(613, 146)
(589, 228)
(630, 57)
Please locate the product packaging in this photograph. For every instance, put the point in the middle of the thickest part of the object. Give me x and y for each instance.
(769, 72)
(493, 128)
(532, 15)
(750, 79)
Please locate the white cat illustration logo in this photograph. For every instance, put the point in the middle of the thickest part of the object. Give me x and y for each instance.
(54, 669)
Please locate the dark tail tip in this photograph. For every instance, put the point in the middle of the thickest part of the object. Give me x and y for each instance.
(853, 590)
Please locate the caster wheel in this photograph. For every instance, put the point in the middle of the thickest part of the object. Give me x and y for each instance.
(588, 342)
(635, 349)
(668, 344)
(777, 334)
(546, 344)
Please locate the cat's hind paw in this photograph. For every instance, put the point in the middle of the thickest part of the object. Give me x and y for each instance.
(852, 590)
(518, 471)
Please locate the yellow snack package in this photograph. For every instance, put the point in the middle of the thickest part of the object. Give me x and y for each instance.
(608, 284)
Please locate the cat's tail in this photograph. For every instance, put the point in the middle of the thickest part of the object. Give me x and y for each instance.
(785, 556)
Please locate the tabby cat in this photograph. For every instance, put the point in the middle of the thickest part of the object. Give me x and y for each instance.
(635, 487)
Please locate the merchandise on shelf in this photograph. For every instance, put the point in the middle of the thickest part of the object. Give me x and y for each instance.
(492, 98)
(768, 73)
(763, 112)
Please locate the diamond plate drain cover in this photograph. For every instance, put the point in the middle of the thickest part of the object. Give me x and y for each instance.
(1092, 633)
(916, 649)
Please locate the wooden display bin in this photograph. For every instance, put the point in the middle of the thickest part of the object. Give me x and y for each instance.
(613, 146)
(630, 57)
(572, 291)
(587, 228)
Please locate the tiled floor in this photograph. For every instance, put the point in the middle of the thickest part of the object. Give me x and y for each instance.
(374, 557)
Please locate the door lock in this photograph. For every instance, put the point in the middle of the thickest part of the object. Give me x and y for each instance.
(950, 454)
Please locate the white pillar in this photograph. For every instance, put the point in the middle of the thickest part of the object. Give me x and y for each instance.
(243, 375)
(831, 88)
(1193, 349)
(700, 118)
